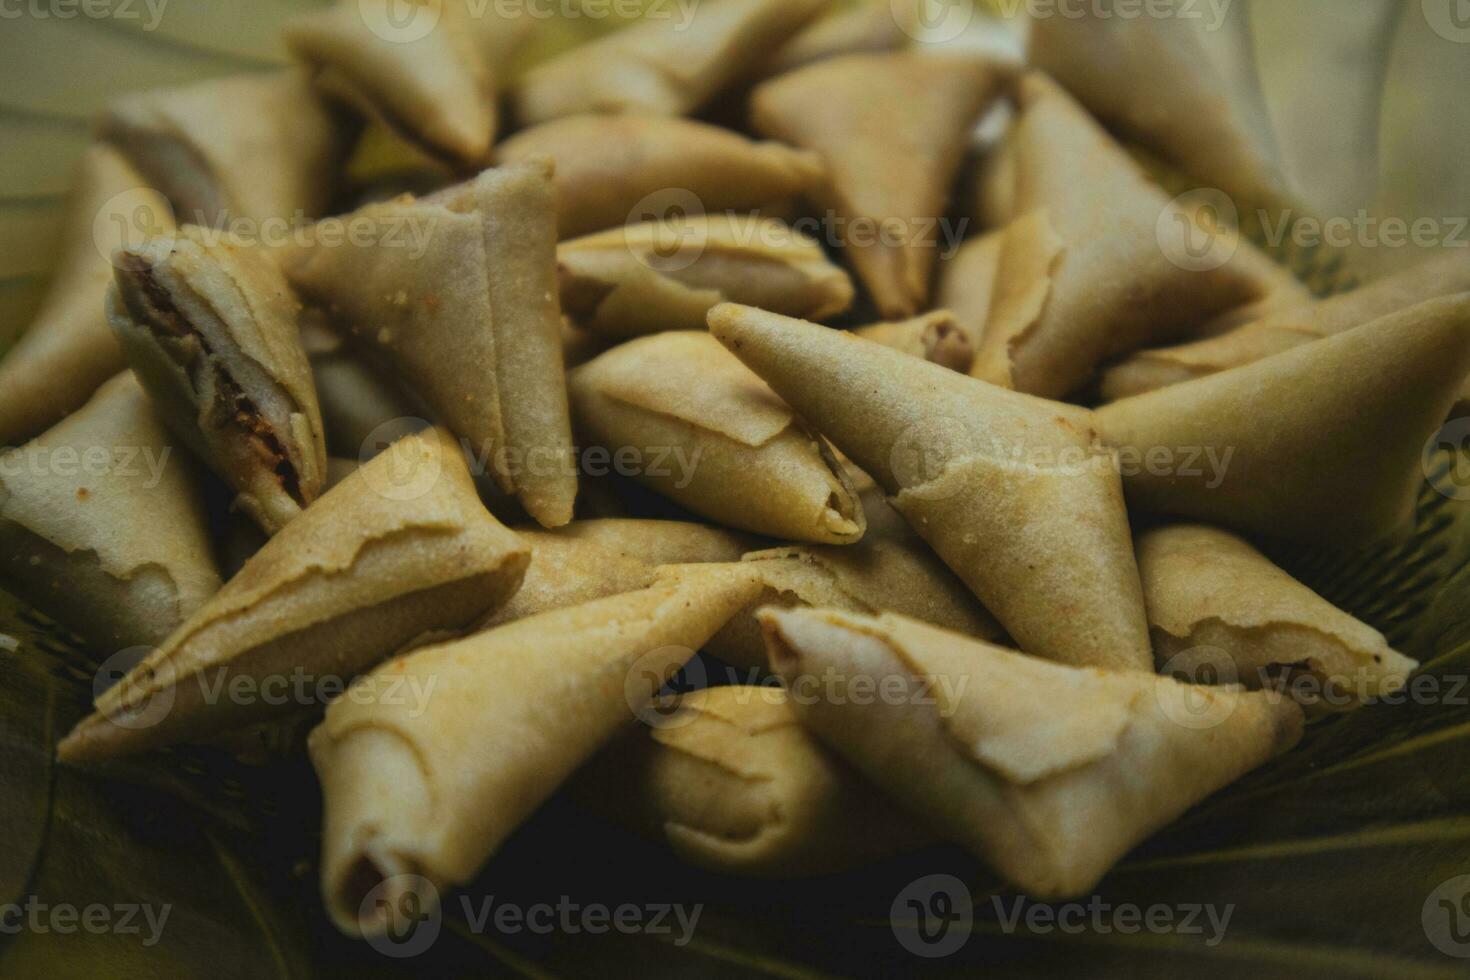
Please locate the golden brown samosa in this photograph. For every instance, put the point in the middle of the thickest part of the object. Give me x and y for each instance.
(399, 551)
(892, 130)
(617, 170)
(430, 78)
(697, 426)
(1096, 263)
(867, 27)
(1282, 329)
(1169, 97)
(967, 285)
(212, 330)
(461, 302)
(515, 710)
(671, 63)
(68, 351)
(1014, 492)
(1216, 603)
(735, 785)
(102, 524)
(657, 276)
(247, 148)
(936, 337)
(1048, 773)
(1321, 443)
(589, 560)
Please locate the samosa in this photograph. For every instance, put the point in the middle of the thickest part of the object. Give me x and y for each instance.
(400, 551)
(892, 130)
(666, 64)
(433, 789)
(1048, 773)
(1098, 261)
(620, 170)
(1015, 493)
(734, 784)
(698, 427)
(667, 275)
(471, 322)
(1321, 443)
(68, 350)
(212, 330)
(936, 337)
(102, 524)
(248, 148)
(432, 79)
(1217, 604)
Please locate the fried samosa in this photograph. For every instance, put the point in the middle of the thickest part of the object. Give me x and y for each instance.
(589, 560)
(1097, 267)
(1048, 773)
(657, 276)
(618, 170)
(211, 328)
(247, 148)
(663, 65)
(1216, 603)
(704, 431)
(430, 79)
(401, 550)
(967, 285)
(1170, 96)
(1281, 330)
(432, 790)
(471, 322)
(68, 351)
(102, 524)
(891, 129)
(1014, 493)
(867, 27)
(1321, 443)
(736, 786)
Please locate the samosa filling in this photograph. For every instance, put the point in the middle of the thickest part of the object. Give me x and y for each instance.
(163, 316)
